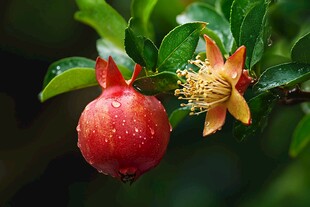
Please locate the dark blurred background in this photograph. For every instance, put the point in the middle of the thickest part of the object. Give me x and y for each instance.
(41, 165)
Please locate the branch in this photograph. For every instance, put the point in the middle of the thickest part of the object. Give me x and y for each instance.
(294, 96)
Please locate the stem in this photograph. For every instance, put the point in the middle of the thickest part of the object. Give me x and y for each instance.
(294, 96)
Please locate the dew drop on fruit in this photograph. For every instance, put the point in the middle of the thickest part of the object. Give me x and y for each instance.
(116, 104)
(136, 129)
(78, 128)
(113, 130)
(152, 131)
(106, 140)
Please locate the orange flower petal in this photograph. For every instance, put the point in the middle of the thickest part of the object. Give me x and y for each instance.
(234, 66)
(215, 119)
(214, 54)
(238, 107)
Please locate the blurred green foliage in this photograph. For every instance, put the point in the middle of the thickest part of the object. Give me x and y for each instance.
(41, 164)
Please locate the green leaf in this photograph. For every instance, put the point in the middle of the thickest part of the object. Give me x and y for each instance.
(141, 10)
(301, 136)
(239, 9)
(253, 33)
(260, 107)
(158, 83)
(69, 80)
(106, 48)
(225, 6)
(288, 74)
(65, 64)
(178, 115)
(104, 19)
(140, 49)
(300, 50)
(150, 53)
(178, 46)
(217, 24)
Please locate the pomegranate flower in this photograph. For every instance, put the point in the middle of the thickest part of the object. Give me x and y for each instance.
(216, 87)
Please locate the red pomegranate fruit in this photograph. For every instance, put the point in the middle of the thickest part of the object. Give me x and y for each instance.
(122, 133)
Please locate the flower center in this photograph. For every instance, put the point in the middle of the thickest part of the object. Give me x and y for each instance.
(204, 89)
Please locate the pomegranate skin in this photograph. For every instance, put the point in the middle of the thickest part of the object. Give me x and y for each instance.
(122, 133)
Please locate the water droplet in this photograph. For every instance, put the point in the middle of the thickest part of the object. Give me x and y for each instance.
(152, 131)
(126, 132)
(234, 75)
(144, 138)
(134, 120)
(119, 137)
(269, 42)
(78, 128)
(79, 145)
(106, 140)
(133, 134)
(113, 130)
(94, 131)
(116, 116)
(142, 142)
(116, 104)
(136, 130)
(124, 120)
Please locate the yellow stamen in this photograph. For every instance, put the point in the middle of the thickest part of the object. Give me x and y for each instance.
(204, 89)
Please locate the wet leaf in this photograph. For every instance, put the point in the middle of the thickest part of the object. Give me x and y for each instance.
(217, 24)
(300, 51)
(139, 48)
(69, 80)
(301, 136)
(225, 6)
(288, 74)
(178, 46)
(158, 83)
(260, 107)
(239, 9)
(253, 33)
(64, 64)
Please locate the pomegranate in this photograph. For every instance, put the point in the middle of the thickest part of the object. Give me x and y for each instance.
(122, 133)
